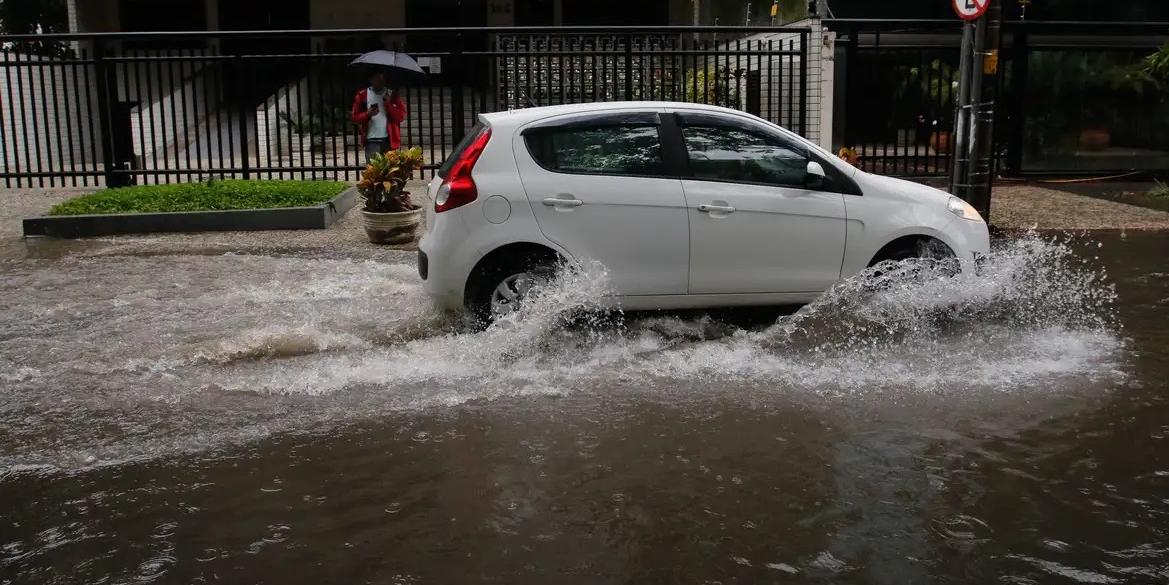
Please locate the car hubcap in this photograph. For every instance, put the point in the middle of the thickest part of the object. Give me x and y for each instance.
(510, 293)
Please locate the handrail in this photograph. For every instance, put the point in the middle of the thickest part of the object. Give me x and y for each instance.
(218, 34)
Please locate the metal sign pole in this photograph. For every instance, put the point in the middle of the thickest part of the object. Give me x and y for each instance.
(959, 178)
(986, 76)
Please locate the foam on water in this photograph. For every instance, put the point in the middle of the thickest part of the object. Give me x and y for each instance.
(115, 358)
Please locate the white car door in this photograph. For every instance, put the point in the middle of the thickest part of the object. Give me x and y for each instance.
(599, 188)
(755, 225)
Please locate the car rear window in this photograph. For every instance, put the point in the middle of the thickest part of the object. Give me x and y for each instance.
(625, 149)
(460, 147)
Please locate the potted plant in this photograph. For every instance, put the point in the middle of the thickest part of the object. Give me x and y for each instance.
(388, 214)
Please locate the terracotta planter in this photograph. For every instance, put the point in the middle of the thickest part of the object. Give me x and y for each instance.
(1095, 139)
(940, 142)
(391, 228)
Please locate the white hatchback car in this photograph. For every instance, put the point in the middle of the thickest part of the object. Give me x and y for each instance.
(687, 206)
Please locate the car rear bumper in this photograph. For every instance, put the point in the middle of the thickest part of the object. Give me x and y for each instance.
(442, 280)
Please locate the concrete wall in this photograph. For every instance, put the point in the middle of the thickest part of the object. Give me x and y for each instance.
(93, 15)
(357, 13)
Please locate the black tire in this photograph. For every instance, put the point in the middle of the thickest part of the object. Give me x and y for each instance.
(487, 279)
(922, 248)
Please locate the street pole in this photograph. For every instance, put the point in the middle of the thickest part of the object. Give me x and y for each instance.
(982, 166)
(958, 176)
(973, 172)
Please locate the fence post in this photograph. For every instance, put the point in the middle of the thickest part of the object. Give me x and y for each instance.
(105, 115)
(458, 115)
(628, 67)
(242, 106)
(804, 38)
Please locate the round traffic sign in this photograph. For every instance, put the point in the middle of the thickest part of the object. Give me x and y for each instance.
(970, 9)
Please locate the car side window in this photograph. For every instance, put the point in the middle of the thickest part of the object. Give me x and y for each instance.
(725, 153)
(626, 149)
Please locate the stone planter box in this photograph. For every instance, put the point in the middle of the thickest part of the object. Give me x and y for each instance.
(283, 218)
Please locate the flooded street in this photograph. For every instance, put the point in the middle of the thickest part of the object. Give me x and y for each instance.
(309, 419)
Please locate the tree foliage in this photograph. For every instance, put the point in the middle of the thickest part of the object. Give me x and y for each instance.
(1153, 70)
(22, 17)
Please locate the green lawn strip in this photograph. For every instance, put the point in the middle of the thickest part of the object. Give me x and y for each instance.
(210, 196)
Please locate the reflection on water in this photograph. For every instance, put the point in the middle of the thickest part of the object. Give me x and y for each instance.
(301, 419)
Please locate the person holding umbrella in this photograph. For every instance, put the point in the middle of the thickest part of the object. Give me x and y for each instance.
(378, 111)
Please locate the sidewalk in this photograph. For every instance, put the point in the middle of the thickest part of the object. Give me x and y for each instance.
(1013, 207)
(1031, 206)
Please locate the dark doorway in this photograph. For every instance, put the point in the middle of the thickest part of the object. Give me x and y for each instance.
(535, 12)
(616, 12)
(445, 13)
(162, 15)
(249, 81)
(264, 15)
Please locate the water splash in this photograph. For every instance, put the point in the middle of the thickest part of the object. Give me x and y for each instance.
(113, 358)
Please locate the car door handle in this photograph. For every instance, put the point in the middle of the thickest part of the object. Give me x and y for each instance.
(708, 208)
(558, 202)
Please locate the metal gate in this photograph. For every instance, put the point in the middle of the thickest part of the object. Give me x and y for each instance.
(128, 108)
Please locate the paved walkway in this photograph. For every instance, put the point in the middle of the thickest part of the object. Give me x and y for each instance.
(1014, 207)
(1031, 206)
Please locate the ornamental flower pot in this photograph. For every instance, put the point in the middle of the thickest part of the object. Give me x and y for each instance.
(391, 228)
(940, 142)
(389, 216)
(1095, 139)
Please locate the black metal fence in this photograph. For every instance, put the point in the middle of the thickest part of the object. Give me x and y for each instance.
(1066, 103)
(168, 107)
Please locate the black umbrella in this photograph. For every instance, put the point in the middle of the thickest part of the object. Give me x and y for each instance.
(389, 59)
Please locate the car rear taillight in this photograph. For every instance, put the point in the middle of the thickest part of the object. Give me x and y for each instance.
(458, 188)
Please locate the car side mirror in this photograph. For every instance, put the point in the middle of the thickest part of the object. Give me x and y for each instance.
(815, 177)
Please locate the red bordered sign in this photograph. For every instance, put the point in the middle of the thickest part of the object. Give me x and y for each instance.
(970, 9)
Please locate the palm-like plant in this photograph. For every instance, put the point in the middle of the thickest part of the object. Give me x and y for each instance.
(1153, 70)
(383, 182)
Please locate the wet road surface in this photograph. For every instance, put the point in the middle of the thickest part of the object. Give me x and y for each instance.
(307, 419)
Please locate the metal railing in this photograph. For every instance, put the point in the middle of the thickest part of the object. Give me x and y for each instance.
(123, 108)
(1063, 107)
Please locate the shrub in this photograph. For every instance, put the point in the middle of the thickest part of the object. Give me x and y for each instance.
(209, 196)
(383, 182)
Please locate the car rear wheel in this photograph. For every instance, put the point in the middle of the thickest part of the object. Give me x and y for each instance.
(503, 288)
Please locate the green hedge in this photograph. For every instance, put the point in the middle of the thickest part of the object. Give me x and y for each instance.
(209, 196)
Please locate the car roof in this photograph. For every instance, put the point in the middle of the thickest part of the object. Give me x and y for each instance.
(525, 115)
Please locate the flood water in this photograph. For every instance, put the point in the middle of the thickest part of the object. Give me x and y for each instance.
(284, 419)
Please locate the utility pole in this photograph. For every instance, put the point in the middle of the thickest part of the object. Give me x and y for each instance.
(958, 176)
(973, 171)
(982, 159)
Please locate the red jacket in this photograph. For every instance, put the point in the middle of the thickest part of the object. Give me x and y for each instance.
(395, 110)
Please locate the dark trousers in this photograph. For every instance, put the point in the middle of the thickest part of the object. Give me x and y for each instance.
(376, 145)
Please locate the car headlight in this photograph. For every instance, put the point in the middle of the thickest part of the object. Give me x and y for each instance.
(963, 209)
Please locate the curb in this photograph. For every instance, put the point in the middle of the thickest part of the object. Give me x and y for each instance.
(284, 218)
